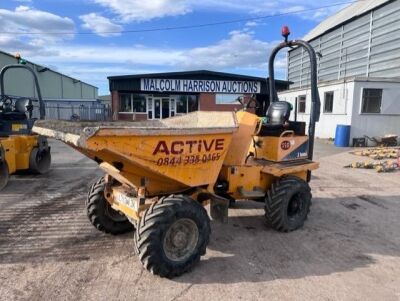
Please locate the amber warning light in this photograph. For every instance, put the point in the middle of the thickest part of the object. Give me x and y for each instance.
(285, 32)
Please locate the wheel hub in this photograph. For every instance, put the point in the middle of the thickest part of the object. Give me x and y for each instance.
(181, 239)
(295, 206)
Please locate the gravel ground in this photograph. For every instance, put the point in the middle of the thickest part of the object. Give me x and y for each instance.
(348, 249)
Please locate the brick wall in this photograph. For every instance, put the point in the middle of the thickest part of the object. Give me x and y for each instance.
(207, 103)
(114, 104)
(129, 117)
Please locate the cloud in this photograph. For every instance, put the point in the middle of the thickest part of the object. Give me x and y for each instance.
(13, 45)
(141, 10)
(132, 55)
(239, 52)
(25, 20)
(251, 24)
(102, 26)
(240, 49)
(310, 12)
(261, 7)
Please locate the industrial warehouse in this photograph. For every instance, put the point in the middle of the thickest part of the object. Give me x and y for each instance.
(236, 151)
(64, 96)
(358, 71)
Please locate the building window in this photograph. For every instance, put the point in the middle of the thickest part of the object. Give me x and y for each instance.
(125, 104)
(172, 107)
(193, 103)
(302, 104)
(149, 108)
(130, 103)
(139, 103)
(186, 104)
(181, 104)
(227, 99)
(371, 101)
(328, 102)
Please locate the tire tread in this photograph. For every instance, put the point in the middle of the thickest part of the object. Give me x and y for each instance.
(275, 199)
(95, 211)
(155, 219)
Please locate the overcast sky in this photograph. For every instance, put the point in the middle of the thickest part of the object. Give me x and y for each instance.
(237, 47)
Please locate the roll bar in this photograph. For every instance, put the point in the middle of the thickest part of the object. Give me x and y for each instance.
(42, 110)
(315, 101)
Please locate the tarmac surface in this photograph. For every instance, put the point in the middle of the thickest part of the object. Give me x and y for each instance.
(349, 248)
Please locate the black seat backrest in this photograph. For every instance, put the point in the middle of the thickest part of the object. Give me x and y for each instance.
(23, 105)
(278, 112)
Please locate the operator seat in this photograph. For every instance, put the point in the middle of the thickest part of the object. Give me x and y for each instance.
(21, 107)
(277, 120)
(278, 113)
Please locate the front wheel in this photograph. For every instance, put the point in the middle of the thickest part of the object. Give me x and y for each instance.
(287, 204)
(4, 174)
(101, 215)
(172, 235)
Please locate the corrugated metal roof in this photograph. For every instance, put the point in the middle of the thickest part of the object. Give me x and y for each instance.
(344, 15)
(51, 70)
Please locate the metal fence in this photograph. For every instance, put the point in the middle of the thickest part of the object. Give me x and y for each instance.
(95, 112)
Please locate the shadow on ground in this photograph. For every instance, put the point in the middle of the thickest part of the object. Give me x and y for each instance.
(339, 236)
(342, 234)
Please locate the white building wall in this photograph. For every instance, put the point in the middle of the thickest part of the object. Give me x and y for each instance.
(347, 109)
(387, 122)
(342, 107)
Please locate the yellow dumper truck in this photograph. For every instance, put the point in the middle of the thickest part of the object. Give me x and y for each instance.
(160, 174)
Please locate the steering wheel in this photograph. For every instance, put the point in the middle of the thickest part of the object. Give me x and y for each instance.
(252, 100)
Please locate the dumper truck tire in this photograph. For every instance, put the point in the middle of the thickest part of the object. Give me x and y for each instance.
(171, 235)
(39, 161)
(287, 204)
(101, 215)
(4, 174)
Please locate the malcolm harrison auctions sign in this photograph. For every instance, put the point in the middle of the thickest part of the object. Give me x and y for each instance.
(199, 85)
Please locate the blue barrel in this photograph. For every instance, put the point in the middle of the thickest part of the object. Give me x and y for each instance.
(342, 137)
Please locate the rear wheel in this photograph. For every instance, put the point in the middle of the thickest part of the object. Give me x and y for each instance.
(287, 204)
(4, 174)
(100, 213)
(40, 160)
(172, 235)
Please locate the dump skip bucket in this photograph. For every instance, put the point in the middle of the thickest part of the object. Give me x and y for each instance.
(170, 154)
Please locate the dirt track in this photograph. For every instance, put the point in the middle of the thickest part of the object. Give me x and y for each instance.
(349, 248)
